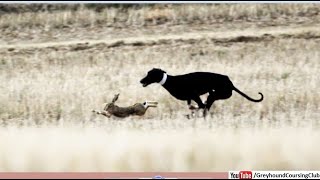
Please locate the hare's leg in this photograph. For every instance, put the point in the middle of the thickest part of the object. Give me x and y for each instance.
(105, 113)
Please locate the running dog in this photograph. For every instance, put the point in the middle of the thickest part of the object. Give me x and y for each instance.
(191, 86)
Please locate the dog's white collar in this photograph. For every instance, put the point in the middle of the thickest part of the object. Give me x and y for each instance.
(164, 79)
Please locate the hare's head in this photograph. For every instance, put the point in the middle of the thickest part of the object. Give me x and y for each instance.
(109, 106)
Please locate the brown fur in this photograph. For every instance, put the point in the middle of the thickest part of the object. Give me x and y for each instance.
(138, 109)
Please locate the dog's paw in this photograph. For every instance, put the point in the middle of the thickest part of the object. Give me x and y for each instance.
(188, 116)
(192, 115)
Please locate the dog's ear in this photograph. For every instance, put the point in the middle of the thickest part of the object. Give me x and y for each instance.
(162, 70)
(159, 70)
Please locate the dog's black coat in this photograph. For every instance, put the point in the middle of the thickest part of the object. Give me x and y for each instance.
(191, 86)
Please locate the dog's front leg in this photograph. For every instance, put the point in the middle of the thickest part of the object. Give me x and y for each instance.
(199, 102)
(201, 105)
(191, 107)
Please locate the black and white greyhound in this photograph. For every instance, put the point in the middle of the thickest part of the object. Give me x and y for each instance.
(191, 86)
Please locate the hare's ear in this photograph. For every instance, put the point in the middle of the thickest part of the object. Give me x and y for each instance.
(115, 98)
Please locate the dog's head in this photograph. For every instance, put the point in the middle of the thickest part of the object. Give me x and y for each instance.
(154, 76)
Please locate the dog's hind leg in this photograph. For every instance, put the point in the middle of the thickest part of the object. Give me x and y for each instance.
(211, 98)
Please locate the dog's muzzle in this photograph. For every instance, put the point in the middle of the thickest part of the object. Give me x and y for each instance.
(143, 84)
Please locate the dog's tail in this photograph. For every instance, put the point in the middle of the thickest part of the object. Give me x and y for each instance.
(247, 97)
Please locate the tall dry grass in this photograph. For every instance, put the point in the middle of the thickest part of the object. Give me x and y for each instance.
(55, 91)
(145, 14)
(189, 150)
(53, 85)
(47, 94)
(99, 22)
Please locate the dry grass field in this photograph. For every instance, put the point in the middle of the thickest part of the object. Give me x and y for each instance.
(56, 66)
